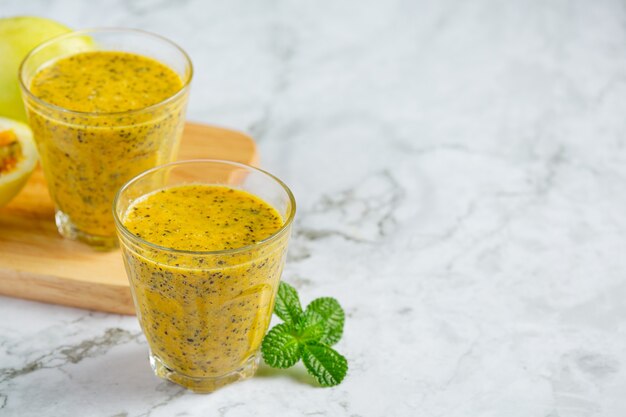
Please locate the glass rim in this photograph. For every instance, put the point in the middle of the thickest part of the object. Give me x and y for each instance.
(133, 237)
(83, 32)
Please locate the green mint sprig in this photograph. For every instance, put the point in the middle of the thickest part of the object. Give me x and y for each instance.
(306, 335)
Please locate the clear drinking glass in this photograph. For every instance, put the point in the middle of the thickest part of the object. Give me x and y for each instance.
(87, 156)
(205, 313)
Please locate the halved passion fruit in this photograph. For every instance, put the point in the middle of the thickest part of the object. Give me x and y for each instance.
(18, 158)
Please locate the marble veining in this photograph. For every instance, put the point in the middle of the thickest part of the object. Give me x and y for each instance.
(459, 169)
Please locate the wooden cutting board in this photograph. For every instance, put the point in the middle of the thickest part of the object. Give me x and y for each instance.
(38, 264)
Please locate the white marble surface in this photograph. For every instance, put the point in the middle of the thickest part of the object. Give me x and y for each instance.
(460, 168)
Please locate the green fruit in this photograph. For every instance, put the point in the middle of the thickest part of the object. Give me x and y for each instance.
(18, 36)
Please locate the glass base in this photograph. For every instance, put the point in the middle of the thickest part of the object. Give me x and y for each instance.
(207, 384)
(68, 230)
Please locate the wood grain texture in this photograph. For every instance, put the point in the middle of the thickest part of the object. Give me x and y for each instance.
(38, 264)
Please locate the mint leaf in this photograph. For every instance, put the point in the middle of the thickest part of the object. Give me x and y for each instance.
(280, 347)
(333, 317)
(287, 305)
(310, 327)
(324, 363)
(306, 335)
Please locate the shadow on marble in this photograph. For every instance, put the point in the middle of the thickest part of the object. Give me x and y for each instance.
(114, 380)
(296, 373)
(122, 376)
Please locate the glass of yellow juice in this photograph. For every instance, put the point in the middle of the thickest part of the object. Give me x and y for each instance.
(104, 105)
(204, 245)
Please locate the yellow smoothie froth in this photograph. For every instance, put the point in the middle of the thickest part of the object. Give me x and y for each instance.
(202, 218)
(104, 82)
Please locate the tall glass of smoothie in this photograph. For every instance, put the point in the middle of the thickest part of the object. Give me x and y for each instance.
(104, 105)
(204, 246)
